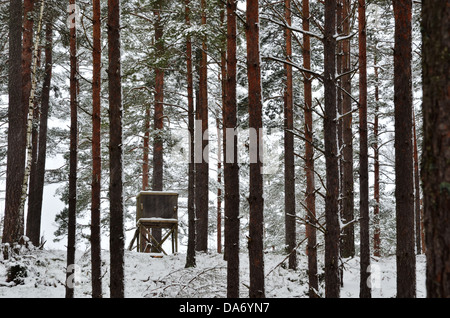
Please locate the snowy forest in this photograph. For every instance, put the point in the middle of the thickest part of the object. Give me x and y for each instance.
(306, 144)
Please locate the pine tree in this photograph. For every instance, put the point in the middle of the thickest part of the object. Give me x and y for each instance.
(363, 154)
(36, 189)
(117, 235)
(310, 196)
(404, 182)
(73, 161)
(158, 115)
(190, 255)
(96, 154)
(202, 171)
(436, 145)
(256, 200)
(289, 169)
(376, 166)
(16, 131)
(348, 235)
(331, 152)
(157, 181)
(231, 167)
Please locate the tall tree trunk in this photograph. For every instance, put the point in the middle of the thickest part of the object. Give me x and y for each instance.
(436, 145)
(364, 291)
(289, 169)
(157, 180)
(73, 156)
(27, 62)
(220, 135)
(117, 234)
(348, 233)
(256, 200)
(35, 205)
(310, 196)
(190, 254)
(219, 187)
(339, 136)
(146, 149)
(32, 188)
(417, 208)
(376, 177)
(404, 182)
(202, 197)
(231, 167)
(331, 152)
(32, 118)
(96, 260)
(15, 169)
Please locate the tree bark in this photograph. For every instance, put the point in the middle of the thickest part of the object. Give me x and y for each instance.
(256, 200)
(436, 145)
(157, 180)
(376, 165)
(15, 169)
(32, 119)
(289, 168)
(190, 254)
(202, 174)
(219, 187)
(364, 291)
(348, 233)
(95, 238)
(32, 189)
(404, 181)
(310, 196)
(73, 157)
(158, 116)
(117, 234)
(146, 149)
(35, 199)
(331, 157)
(27, 61)
(220, 135)
(231, 167)
(417, 200)
(339, 122)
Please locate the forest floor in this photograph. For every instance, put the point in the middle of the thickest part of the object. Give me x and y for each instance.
(43, 276)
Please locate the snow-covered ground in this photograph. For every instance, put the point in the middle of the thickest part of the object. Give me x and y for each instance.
(166, 277)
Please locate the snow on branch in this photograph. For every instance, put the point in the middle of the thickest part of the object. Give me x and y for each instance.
(343, 37)
(317, 75)
(284, 24)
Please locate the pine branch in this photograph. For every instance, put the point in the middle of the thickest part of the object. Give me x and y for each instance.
(317, 75)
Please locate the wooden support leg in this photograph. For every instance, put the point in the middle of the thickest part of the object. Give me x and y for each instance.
(136, 235)
(176, 238)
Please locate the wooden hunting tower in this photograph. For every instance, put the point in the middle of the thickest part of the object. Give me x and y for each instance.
(156, 210)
